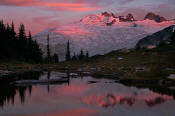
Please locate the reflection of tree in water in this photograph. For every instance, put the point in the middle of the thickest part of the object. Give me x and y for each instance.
(8, 94)
(9, 91)
(30, 89)
(68, 77)
(22, 91)
(48, 77)
(48, 74)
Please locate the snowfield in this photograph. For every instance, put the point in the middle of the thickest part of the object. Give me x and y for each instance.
(94, 35)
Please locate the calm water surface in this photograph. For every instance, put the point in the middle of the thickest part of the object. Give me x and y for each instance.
(82, 96)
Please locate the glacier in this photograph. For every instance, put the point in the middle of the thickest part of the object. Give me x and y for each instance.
(94, 34)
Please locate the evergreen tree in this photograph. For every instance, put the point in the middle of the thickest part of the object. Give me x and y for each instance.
(29, 37)
(68, 57)
(13, 33)
(8, 41)
(22, 34)
(14, 42)
(34, 53)
(29, 45)
(56, 58)
(22, 44)
(48, 49)
(81, 56)
(8, 28)
(87, 54)
(3, 42)
(37, 53)
(74, 57)
(18, 47)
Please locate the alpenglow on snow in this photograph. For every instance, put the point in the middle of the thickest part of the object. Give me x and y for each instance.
(101, 33)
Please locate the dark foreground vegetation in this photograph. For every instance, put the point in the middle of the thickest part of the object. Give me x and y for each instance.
(18, 46)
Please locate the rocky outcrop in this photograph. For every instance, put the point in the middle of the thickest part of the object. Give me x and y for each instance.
(106, 14)
(128, 18)
(163, 36)
(157, 18)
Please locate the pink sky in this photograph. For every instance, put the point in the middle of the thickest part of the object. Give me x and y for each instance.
(38, 15)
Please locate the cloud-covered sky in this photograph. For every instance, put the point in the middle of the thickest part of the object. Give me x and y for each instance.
(38, 15)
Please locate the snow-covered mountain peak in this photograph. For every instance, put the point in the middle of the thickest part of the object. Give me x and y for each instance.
(99, 34)
(109, 19)
(106, 18)
(99, 19)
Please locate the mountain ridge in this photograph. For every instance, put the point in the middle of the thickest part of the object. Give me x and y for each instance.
(99, 34)
(153, 16)
(162, 36)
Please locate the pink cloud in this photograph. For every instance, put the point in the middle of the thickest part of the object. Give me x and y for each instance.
(70, 5)
(45, 20)
(126, 1)
(67, 6)
(38, 3)
(78, 9)
(18, 2)
(50, 13)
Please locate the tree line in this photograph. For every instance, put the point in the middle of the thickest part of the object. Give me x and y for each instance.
(18, 46)
(50, 58)
(75, 57)
(55, 57)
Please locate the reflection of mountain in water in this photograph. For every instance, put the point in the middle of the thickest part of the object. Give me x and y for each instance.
(10, 93)
(126, 100)
(163, 90)
(111, 100)
(156, 101)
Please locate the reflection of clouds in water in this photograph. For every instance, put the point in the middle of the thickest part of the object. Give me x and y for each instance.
(73, 89)
(73, 112)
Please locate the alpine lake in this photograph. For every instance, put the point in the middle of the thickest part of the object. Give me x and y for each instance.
(73, 94)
